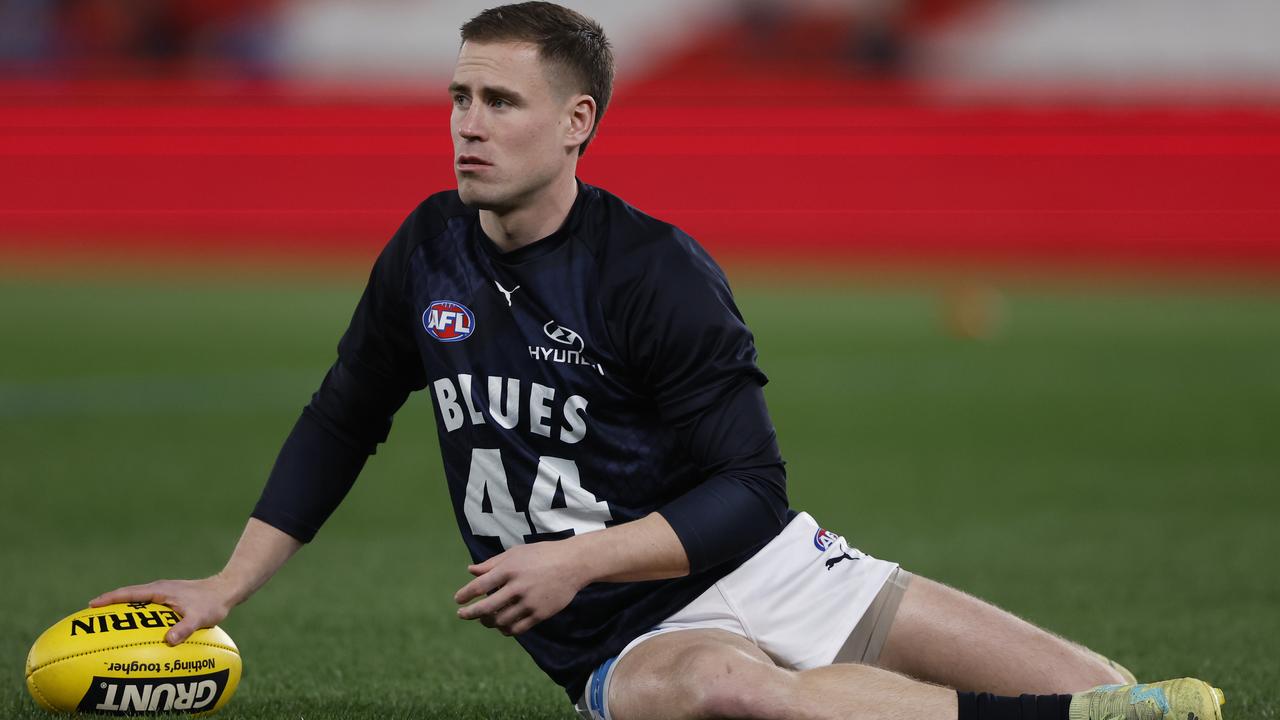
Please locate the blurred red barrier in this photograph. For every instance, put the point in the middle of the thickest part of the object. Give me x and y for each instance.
(901, 180)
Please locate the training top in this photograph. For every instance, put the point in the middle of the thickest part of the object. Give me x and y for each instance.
(585, 380)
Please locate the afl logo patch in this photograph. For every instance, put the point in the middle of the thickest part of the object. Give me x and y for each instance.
(448, 321)
(823, 539)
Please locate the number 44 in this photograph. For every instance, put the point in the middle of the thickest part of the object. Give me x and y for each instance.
(582, 513)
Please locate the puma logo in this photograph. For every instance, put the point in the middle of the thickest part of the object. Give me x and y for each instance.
(843, 556)
(505, 292)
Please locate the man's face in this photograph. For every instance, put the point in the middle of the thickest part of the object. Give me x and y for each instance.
(509, 125)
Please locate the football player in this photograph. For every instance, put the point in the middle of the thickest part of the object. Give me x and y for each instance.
(609, 454)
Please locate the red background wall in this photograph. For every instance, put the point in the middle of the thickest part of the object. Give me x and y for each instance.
(765, 172)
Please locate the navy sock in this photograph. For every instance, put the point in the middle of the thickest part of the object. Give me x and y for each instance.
(985, 706)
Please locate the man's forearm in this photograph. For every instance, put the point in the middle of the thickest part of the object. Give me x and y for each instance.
(259, 554)
(646, 549)
(742, 503)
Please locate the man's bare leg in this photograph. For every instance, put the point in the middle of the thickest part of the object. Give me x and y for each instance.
(944, 636)
(692, 674)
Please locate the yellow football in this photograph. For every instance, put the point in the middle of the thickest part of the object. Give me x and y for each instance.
(113, 660)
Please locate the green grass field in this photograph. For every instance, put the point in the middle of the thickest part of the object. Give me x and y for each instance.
(1106, 467)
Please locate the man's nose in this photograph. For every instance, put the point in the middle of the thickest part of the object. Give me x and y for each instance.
(471, 126)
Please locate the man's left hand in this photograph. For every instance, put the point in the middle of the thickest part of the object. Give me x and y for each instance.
(522, 586)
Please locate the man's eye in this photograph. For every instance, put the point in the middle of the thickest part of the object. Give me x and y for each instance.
(459, 100)
(498, 103)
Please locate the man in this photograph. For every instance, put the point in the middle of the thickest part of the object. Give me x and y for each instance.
(611, 461)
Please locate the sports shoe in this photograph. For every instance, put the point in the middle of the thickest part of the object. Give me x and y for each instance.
(1182, 699)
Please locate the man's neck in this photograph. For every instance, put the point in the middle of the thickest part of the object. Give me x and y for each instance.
(521, 226)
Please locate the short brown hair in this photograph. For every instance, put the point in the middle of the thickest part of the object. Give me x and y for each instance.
(563, 36)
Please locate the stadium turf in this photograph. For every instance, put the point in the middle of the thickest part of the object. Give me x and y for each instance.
(1106, 466)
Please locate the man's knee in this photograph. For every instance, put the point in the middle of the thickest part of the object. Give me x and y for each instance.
(726, 684)
(730, 684)
(703, 680)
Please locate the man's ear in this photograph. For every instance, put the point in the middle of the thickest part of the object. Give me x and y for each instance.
(582, 120)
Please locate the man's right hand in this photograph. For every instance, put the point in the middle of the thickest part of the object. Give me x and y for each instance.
(204, 603)
(201, 603)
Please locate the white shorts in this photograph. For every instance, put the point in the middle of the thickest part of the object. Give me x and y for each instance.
(806, 599)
